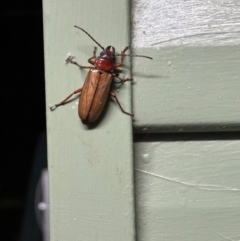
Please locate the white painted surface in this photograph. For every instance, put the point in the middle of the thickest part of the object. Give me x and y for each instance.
(191, 23)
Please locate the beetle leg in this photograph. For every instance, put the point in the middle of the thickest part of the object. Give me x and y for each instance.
(116, 65)
(123, 52)
(115, 97)
(92, 59)
(65, 100)
(121, 79)
(70, 60)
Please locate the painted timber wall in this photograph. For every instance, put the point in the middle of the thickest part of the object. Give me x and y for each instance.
(186, 185)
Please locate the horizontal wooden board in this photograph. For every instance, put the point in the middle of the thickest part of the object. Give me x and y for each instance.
(187, 89)
(188, 190)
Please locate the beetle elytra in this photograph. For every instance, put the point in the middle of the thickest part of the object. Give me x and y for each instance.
(96, 88)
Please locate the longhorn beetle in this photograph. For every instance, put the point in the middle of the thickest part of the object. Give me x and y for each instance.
(96, 88)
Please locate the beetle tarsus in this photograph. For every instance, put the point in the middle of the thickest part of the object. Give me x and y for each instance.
(70, 60)
(53, 107)
(127, 79)
(122, 80)
(56, 106)
(126, 48)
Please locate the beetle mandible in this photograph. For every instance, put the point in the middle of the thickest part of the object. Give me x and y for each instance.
(96, 88)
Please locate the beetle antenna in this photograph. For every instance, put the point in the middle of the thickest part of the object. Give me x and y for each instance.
(90, 37)
(134, 55)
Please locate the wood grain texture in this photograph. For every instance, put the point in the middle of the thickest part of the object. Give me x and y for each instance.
(188, 23)
(91, 169)
(188, 190)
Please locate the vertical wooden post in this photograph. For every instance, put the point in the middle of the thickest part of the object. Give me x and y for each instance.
(91, 169)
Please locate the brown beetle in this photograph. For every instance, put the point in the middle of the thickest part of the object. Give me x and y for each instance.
(96, 88)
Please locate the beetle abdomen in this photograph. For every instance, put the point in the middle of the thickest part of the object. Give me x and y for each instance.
(94, 96)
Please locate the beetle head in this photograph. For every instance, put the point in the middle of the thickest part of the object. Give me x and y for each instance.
(108, 53)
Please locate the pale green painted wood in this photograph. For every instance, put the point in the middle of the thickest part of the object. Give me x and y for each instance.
(193, 82)
(91, 169)
(188, 190)
(187, 89)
